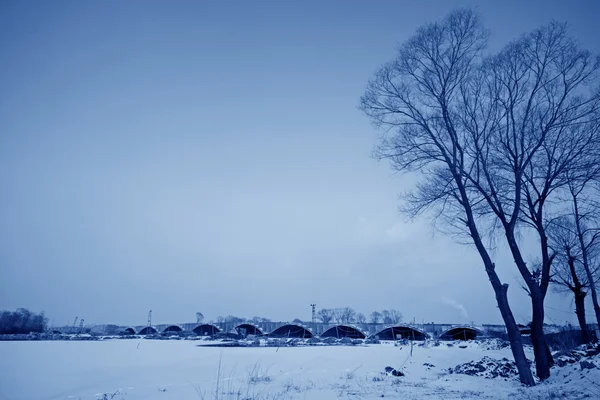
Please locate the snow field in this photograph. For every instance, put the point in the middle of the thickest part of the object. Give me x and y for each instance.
(181, 370)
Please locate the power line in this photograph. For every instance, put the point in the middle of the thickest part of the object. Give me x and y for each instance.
(568, 312)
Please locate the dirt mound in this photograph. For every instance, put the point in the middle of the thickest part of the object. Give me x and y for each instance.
(494, 344)
(587, 352)
(487, 367)
(393, 372)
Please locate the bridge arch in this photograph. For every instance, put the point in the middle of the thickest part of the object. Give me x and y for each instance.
(173, 328)
(291, 331)
(343, 331)
(250, 329)
(206, 330)
(461, 333)
(401, 332)
(148, 330)
(127, 331)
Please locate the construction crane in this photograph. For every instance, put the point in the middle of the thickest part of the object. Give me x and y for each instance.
(150, 318)
(74, 325)
(314, 314)
(81, 326)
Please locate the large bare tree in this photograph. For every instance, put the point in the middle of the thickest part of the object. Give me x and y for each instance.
(391, 316)
(347, 315)
(542, 111)
(375, 317)
(361, 318)
(325, 315)
(494, 138)
(568, 274)
(419, 101)
(585, 225)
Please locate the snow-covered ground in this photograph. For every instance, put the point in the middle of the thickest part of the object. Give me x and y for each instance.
(180, 370)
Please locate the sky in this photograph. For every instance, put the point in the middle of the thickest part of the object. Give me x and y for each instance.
(209, 156)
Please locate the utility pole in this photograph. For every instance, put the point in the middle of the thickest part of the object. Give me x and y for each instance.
(314, 314)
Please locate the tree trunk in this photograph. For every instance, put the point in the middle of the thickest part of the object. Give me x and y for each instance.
(580, 311)
(543, 359)
(580, 294)
(593, 290)
(586, 265)
(514, 335)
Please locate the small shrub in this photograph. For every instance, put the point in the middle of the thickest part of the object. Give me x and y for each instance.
(256, 374)
(112, 396)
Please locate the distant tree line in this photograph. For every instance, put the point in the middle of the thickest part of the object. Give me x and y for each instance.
(232, 319)
(22, 321)
(344, 315)
(347, 315)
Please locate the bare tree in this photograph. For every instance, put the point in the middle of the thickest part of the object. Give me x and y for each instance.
(375, 317)
(539, 89)
(233, 320)
(361, 318)
(347, 315)
(497, 138)
(386, 317)
(258, 320)
(419, 99)
(567, 274)
(338, 315)
(584, 194)
(325, 315)
(395, 316)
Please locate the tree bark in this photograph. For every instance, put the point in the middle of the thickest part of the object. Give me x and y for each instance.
(543, 358)
(594, 298)
(514, 334)
(580, 311)
(580, 294)
(586, 265)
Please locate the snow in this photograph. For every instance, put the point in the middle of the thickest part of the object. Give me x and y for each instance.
(180, 370)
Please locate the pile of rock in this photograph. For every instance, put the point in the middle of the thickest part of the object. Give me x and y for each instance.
(393, 372)
(494, 344)
(585, 354)
(487, 367)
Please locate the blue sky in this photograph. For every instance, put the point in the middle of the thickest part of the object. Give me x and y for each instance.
(190, 156)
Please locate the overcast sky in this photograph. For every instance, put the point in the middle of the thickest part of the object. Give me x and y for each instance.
(195, 156)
